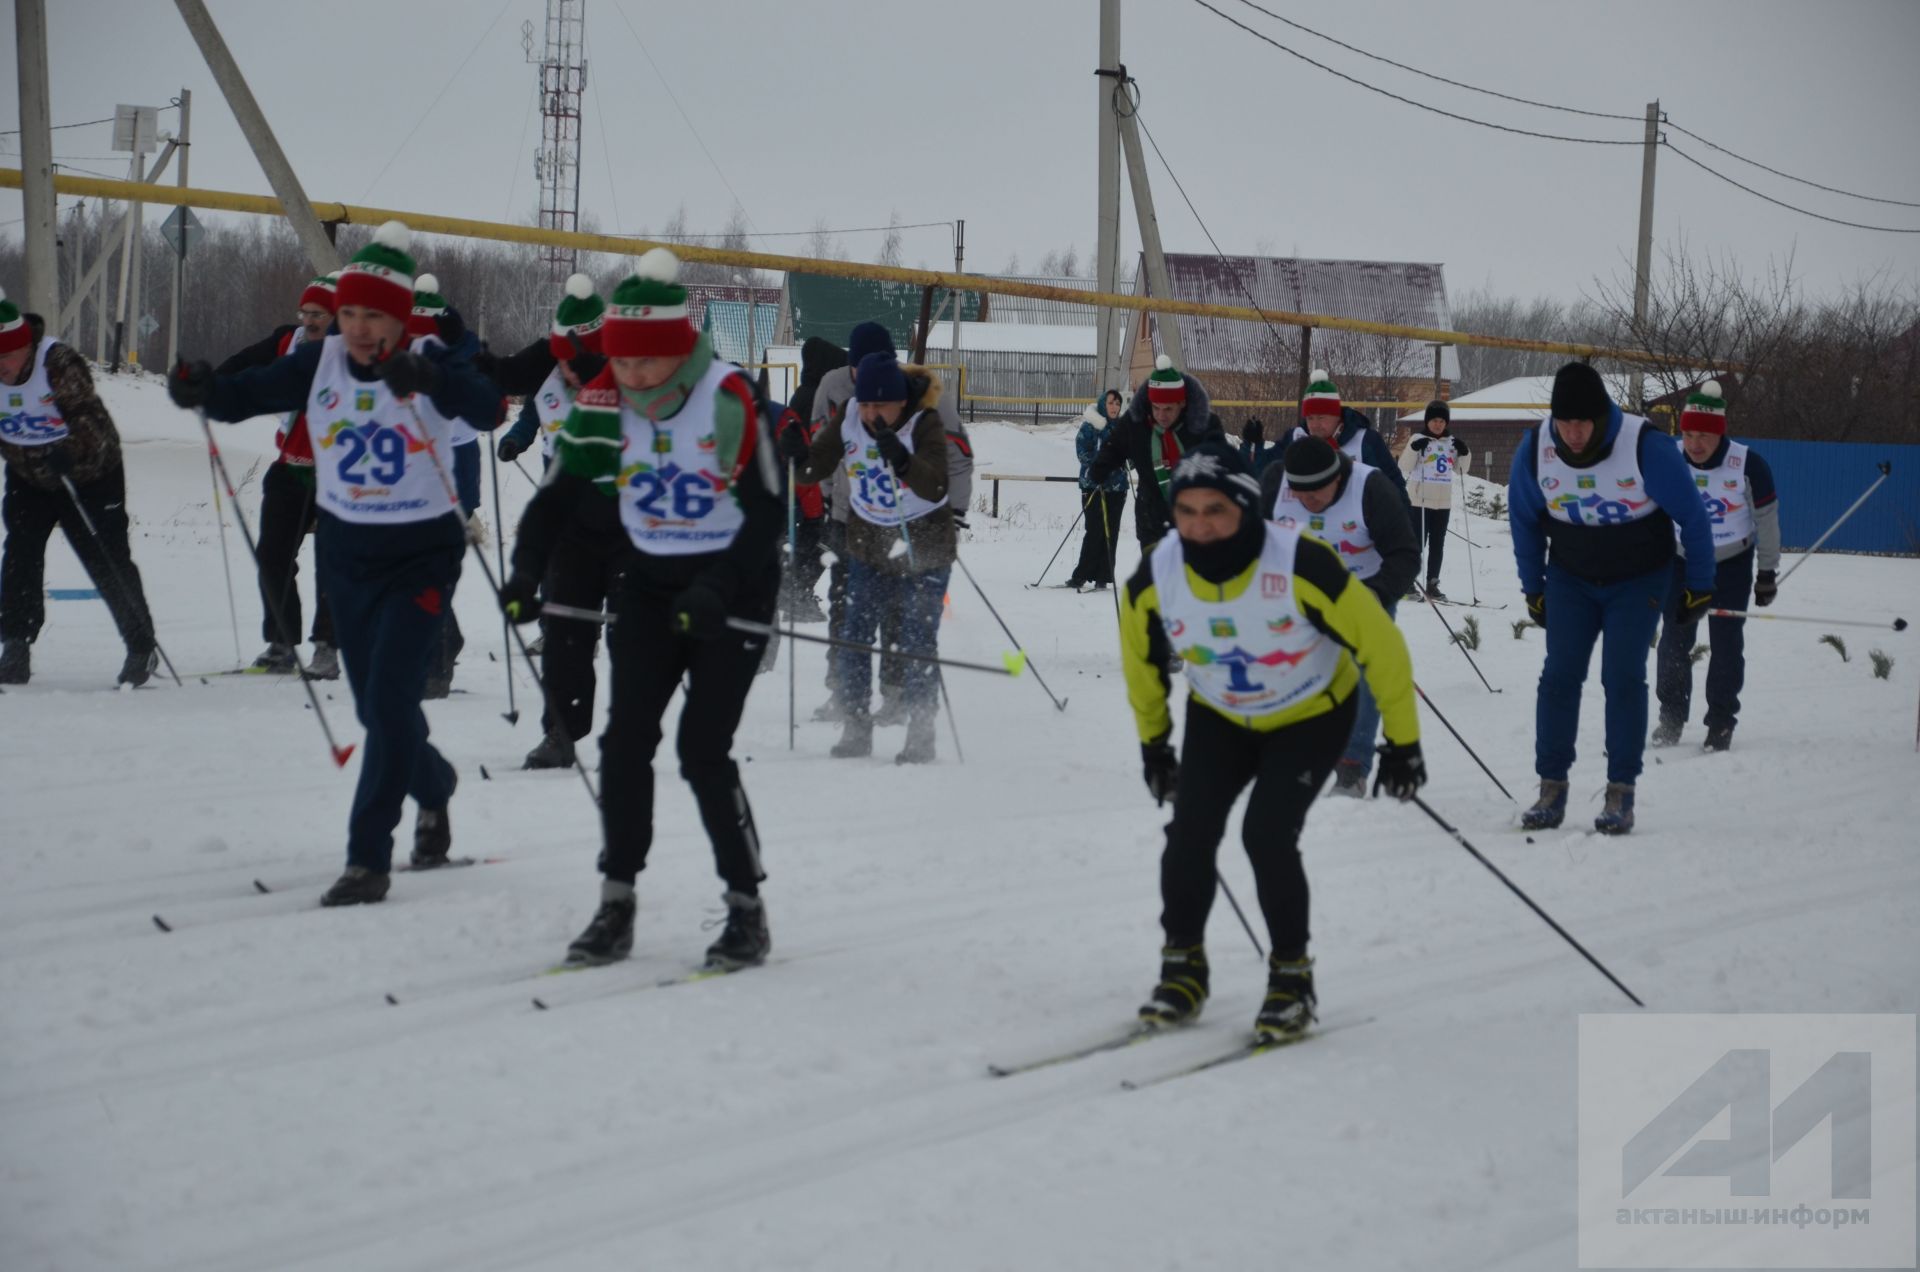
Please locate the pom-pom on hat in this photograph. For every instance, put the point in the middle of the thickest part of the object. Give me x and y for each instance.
(380, 275)
(647, 317)
(1705, 410)
(578, 318)
(429, 306)
(14, 332)
(1166, 386)
(320, 293)
(1321, 398)
(1310, 463)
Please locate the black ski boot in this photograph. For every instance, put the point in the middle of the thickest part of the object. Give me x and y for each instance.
(276, 660)
(358, 886)
(1288, 1010)
(1182, 990)
(609, 937)
(325, 663)
(1349, 779)
(1549, 810)
(139, 667)
(1719, 737)
(16, 662)
(555, 751)
(433, 835)
(1667, 732)
(1433, 591)
(745, 941)
(920, 740)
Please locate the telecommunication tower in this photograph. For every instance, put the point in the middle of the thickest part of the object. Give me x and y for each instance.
(556, 165)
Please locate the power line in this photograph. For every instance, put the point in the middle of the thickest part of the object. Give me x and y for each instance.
(1882, 229)
(1319, 35)
(1408, 101)
(436, 98)
(85, 123)
(1899, 203)
(857, 229)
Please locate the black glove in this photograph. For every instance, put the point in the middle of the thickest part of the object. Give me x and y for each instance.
(519, 599)
(1537, 607)
(408, 373)
(487, 363)
(1162, 765)
(893, 450)
(1419, 444)
(794, 444)
(451, 327)
(1694, 605)
(510, 448)
(1765, 589)
(1402, 770)
(190, 384)
(587, 364)
(1253, 433)
(699, 613)
(60, 459)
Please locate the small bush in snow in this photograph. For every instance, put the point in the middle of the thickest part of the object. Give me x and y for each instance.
(1882, 665)
(1520, 628)
(1840, 646)
(1469, 637)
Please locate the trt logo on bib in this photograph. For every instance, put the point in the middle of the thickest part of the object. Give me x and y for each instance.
(328, 399)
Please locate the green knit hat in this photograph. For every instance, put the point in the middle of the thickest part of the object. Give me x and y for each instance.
(578, 317)
(1166, 386)
(1322, 398)
(648, 315)
(1705, 410)
(14, 332)
(380, 275)
(429, 306)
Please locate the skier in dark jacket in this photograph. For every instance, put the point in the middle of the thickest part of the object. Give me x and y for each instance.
(1101, 502)
(1324, 416)
(1168, 418)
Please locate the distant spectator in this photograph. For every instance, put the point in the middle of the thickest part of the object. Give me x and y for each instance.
(1101, 501)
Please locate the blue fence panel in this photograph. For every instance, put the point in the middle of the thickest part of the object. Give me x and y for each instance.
(1820, 480)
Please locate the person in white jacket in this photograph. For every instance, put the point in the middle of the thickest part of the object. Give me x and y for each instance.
(1429, 461)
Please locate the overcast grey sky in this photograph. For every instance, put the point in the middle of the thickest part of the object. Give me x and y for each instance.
(849, 110)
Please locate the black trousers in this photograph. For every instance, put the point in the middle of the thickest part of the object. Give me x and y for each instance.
(809, 538)
(833, 536)
(286, 519)
(30, 514)
(1287, 768)
(1432, 525)
(650, 660)
(583, 572)
(1727, 641)
(1102, 538)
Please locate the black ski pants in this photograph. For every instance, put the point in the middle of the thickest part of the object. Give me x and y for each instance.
(1431, 523)
(1102, 539)
(582, 572)
(650, 661)
(1727, 645)
(30, 514)
(286, 519)
(1287, 768)
(808, 564)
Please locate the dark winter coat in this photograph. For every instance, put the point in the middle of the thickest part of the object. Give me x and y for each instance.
(1384, 509)
(1136, 442)
(934, 538)
(92, 444)
(1095, 430)
(1373, 449)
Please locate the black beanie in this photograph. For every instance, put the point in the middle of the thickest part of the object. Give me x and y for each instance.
(1436, 409)
(1311, 463)
(1580, 394)
(1216, 466)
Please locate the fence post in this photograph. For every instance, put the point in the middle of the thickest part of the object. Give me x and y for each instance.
(996, 499)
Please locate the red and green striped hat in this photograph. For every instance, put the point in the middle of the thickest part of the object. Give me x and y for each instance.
(647, 317)
(579, 317)
(1705, 410)
(320, 293)
(14, 332)
(429, 306)
(1166, 386)
(380, 275)
(1321, 397)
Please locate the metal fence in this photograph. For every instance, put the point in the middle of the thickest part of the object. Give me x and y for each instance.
(1818, 480)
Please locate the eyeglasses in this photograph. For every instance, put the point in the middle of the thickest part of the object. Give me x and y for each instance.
(313, 315)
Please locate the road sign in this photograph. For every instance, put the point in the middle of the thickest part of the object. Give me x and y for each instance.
(148, 324)
(181, 221)
(136, 128)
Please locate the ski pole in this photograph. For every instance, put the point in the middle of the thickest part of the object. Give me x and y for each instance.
(1464, 652)
(340, 753)
(480, 555)
(1257, 951)
(1063, 538)
(113, 571)
(531, 479)
(793, 574)
(1898, 624)
(1886, 470)
(1462, 741)
(1012, 662)
(226, 565)
(512, 713)
(1059, 704)
(1466, 528)
(952, 726)
(1113, 572)
(1566, 936)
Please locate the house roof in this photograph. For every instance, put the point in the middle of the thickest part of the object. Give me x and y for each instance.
(726, 321)
(698, 294)
(1027, 310)
(1016, 337)
(1410, 293)
(831, 307)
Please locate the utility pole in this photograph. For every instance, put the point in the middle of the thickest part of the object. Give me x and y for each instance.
(97, 272)
(321, 253)
(1643, 262)
(1106, 266)
(1158, 283)
(180, 256)
(36, 158)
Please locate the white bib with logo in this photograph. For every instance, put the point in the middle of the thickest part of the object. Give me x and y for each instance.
(28, 414)
(1351, 446)
(551, 406)
(1254, 655)
(1342, 527)
(371, 457)
(1434, 463)
(1728, 497)
(874, 491)
(1610, 493)
(674, 499)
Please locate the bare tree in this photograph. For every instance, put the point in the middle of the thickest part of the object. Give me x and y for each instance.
(890, 245)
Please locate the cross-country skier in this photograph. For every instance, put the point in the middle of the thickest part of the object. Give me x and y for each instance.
(1101, 502)
(1428, 463)
(390, 537)
(1595, 499)
(666, 445)
(287, 502)
(1353, 508)
(1325, 416)
(62, 454)
(1736, 486)
(1169, 417)
(1276, 633)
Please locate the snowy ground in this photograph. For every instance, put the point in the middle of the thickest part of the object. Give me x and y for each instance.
(273, 1086)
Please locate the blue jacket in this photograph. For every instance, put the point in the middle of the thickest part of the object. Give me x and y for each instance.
(1373, 449)
(1608, 554)
(1087, 446)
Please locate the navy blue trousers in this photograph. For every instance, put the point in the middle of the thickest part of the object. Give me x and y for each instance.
(1621, 616)
(390, 588)
(1727, 661)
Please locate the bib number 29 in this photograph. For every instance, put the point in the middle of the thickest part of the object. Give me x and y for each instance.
(379, 461)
